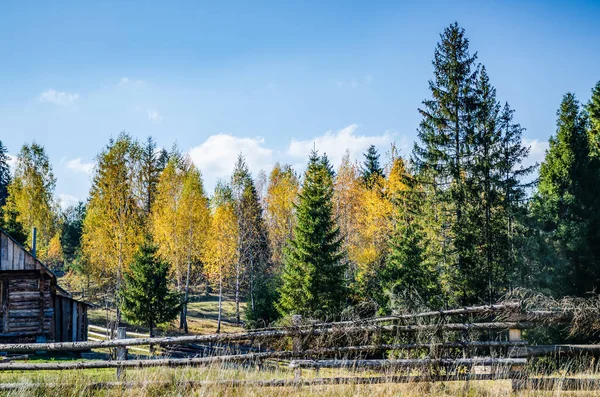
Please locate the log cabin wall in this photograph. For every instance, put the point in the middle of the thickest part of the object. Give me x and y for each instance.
(27, 307)
(32, 306)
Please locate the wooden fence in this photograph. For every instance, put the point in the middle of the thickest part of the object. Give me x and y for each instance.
(464, 344)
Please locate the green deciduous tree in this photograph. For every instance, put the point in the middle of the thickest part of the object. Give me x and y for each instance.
(146, 297)
(313, 281)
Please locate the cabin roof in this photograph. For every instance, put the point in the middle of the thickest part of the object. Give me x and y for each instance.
(59, 290)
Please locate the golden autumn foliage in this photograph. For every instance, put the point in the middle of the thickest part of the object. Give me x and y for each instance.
(31, 196)
(112, 229)
(221, 252)
(180, 220)
(54, 254)
(282, 191)
(366, 215)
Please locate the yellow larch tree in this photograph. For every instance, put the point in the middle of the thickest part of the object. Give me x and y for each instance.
(282, 191)
(221, 253)
(112, 229)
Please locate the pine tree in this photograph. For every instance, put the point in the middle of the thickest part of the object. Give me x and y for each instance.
(371, 170)
(567, 204)
(313, 276)
(145, 295)
(442, 153)
(4, 176)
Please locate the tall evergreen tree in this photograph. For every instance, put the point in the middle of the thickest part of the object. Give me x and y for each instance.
(150, 169)
(313, 276)
(513, 185)
(4, 176)
(254, 255)
(407, 274)
(371, 169)
(71, 231)
(593, 109)
(443, 152)
(567, 203)
(146, 297)
(484, 199)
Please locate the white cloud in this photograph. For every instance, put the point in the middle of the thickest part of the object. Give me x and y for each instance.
(216, 156)
(154, 115)
(128, 81)
(79, 165)
(67, 200)
(369, 79)
(12, 162)
(537, 150)
(334, 144)
(59, 98)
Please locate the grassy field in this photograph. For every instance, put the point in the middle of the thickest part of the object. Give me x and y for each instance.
(202, 317)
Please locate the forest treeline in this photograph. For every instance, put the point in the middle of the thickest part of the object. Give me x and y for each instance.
(460, 220)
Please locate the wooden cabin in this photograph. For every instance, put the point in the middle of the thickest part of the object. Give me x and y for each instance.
(33, 308)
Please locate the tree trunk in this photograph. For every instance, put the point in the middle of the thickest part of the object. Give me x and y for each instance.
(237, 294)
(251, 284)
(183, 320)
(220, 302)
(118, 287)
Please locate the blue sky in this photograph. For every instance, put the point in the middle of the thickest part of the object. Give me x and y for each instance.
(269, 78)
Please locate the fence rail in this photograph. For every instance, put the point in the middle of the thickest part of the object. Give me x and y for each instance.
(449, 347)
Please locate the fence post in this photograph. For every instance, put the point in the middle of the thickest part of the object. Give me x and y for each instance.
(297, 343)
(517, 385)
(121, 352)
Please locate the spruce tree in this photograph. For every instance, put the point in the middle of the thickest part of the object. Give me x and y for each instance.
(4, 176)
(593, 109)
(371, 169)
(407, 274)
(567, 203)
(313, 275)
(513, 187)
(146, 297)
(254, 256)
(443, 152)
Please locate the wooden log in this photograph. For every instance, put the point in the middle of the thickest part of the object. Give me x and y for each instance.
(201, 361)
(241, 336)
(407, 363)
(562, 350)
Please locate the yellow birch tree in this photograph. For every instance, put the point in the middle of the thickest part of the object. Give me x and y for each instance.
(282, 191)
(221, 254)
